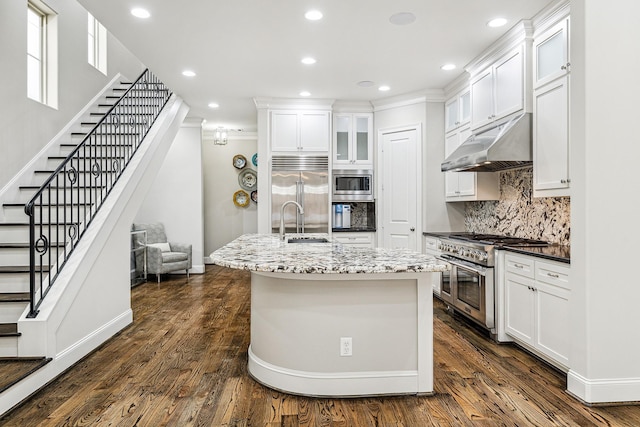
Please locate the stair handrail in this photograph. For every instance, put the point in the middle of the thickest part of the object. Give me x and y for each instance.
(141, 104)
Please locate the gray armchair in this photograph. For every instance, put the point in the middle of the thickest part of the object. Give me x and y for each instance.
(163, 256)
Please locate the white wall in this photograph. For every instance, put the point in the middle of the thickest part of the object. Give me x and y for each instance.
(26, 125)
(224, 221)
(175, 199)
(605, 182)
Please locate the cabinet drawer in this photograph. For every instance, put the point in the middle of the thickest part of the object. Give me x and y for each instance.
(520, 265)
(357, 239)
(553, 274)
(431, 244)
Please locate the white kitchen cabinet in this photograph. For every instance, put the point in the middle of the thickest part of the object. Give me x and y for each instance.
(498, 90)
(358, 239)
(353, 141)
(431, 248)
(551, 174)
(300, 131)
(457, 111)
(537, 306)
(551, 70)
(467, 186)
(551, 54)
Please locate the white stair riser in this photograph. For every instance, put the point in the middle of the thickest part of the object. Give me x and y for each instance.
(10, 312)
(16, 214)
(77, 194)
(17, 256)
(123, 147)
(8, 346)
(20, 234)
(106, 165)
(14, 282)
(82, 179)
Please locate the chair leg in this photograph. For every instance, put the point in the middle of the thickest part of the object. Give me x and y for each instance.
(187, 274)
(158, 276)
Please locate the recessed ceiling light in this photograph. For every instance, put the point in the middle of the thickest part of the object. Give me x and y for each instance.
(188, 73)
(308, 60)
(384, 88)
(138, 12)
(313, 15)
(305, 93)
(365, 83)
(402, 18)
(497, 22)
(213, 105)
(448, 67)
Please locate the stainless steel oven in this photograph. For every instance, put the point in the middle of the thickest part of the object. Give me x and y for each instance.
(470, 290)
(352, 185)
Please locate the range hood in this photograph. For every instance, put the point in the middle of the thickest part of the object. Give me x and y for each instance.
(506, 145)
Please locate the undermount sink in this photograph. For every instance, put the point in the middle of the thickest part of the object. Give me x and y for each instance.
(307, 240)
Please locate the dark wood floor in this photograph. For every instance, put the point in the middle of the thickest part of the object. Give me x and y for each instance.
(183, 363)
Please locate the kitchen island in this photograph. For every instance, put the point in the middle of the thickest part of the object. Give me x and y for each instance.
(334, 320)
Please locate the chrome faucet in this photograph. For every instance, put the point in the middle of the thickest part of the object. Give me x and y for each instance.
(300, 211)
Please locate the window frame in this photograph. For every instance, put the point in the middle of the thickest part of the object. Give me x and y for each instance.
(33, 9)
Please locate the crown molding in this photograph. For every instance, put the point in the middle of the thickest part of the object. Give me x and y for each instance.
(293, 103)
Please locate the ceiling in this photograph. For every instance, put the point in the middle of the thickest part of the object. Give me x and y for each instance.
(242, 49)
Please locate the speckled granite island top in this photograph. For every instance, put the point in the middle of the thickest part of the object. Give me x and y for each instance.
(267, 253)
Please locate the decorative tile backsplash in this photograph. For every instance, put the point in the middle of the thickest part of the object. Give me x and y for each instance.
(519, 214)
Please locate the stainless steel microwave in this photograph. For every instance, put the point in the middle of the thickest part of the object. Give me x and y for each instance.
(352, 185)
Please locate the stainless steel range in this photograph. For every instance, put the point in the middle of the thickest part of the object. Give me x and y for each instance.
(469, 287)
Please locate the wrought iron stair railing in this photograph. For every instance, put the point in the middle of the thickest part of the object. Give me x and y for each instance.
(64, 206)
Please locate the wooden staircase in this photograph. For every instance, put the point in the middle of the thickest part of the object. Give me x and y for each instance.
(14, 233)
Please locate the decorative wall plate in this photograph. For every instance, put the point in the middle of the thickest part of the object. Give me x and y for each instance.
(254, 160)
(254, 196)
(241, 198)
(248, 179)
(239, 161)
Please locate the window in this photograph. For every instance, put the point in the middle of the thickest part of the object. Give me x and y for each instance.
(42, 53)
(36, 60)
(97, 44)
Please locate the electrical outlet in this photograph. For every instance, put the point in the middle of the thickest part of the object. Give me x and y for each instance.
(346, 346)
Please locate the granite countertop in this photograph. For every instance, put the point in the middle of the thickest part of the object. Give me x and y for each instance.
(560, 253)
(267, 253)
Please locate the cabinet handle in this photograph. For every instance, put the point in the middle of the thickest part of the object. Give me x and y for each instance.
(568, 180)
(566, 66)
(489, 118)
(555, 276)
(412, 229)
(520, 266)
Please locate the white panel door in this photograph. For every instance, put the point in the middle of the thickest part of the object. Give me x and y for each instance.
(400, 189)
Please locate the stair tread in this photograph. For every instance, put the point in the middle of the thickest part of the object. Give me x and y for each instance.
(37, 187)
(26, 245)
(51, 171)
(14, 369)
(122, 144)
(26, 224)
(19, 268)
(17, 205)
(93, 157)
(14, 296)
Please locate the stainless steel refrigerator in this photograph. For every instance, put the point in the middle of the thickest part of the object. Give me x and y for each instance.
(304, 179)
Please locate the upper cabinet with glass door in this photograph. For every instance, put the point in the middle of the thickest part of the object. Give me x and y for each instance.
(551, 54)
(353, 141)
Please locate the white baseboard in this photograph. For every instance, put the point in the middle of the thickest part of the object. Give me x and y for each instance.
(618, 390)
(335, 384)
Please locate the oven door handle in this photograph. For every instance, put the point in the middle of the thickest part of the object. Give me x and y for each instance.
(455, 262)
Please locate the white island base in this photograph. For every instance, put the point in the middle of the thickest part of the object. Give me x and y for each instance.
(298, 321)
